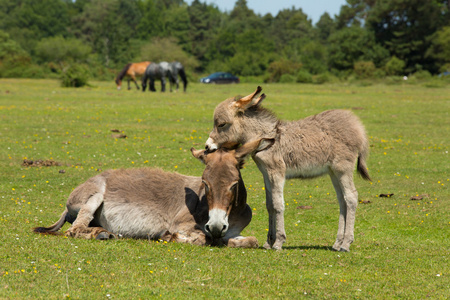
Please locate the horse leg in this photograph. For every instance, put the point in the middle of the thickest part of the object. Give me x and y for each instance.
(129, 88)
(348, 201)
(152, 85)
(135, 82)
(163, 84)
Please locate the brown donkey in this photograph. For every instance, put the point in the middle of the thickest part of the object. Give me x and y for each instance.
(151, 203)
(330, 142)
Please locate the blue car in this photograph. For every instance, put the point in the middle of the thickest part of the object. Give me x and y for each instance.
(220, 77)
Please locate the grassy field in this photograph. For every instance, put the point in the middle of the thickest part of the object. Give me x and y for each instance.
(401, 247)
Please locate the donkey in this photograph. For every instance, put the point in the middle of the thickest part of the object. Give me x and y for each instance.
(151, 203)
(330, 142)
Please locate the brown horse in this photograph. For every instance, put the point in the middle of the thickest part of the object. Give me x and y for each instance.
(130, 71)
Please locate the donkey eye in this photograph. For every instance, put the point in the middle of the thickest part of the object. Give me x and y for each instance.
(222, 125)
(206, 186)
(234, 186)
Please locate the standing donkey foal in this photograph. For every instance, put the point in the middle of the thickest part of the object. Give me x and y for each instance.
(330, 142)
(151, 203)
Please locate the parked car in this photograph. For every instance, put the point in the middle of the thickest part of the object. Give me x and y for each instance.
(220, 77)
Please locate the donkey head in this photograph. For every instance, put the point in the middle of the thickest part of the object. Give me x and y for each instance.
(223, 184)
(229, 131)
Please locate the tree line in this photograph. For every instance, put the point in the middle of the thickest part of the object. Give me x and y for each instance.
(368, 38)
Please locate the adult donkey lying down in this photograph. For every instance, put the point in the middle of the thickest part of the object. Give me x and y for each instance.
(151, 203)
(330, 142)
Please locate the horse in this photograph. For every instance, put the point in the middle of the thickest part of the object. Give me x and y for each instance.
(146, 203)
(156, 71)
(330, 142)
(176, 68)
(130, 71)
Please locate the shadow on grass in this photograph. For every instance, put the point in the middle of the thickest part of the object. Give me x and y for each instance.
(325, 248)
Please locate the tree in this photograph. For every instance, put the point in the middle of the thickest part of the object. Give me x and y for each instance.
(106, 27)
(439, 50)
(13, 59)
(352, 44)
(28, 21)
(404, 27)
(63, 52)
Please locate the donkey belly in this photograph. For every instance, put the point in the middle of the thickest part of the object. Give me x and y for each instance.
(307, 171)
(131, 220)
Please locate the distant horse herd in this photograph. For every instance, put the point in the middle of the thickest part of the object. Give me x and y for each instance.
(212, 209)
(150, 72)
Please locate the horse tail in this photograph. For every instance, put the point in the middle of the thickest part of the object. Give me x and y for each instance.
(55, 227)
(122, 73)
(183, 77)
(361, 164)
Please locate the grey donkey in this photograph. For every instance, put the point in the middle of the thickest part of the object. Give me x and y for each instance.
(331, 142)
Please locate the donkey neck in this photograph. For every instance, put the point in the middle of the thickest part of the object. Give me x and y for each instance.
(260, 123)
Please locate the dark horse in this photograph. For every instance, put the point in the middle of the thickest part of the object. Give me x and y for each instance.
(176, 68)
(130, 71)
(164, 71)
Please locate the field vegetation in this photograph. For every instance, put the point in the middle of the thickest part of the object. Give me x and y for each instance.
(401, 247)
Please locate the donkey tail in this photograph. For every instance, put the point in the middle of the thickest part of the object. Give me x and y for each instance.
(361, 165)
(55, 227)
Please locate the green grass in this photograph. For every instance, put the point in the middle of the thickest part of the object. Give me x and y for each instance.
(401, 247)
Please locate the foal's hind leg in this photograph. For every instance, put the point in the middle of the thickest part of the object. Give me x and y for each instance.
(348, 201)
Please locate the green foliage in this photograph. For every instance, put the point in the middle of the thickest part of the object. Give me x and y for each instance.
(281, 67)
(75, 76)
(304, 76)
(287, 78)
(62, 51)
(364, 69)
(239, 41)
(166, 49)
(395, 66)
(14, 61)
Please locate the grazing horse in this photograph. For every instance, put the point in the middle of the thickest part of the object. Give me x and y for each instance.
(330, 142)
(176, 68)
(154, 72)
(130, 71)
(150, 203)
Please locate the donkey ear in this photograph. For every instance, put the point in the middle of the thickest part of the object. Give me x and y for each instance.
(250, 100)
(243, 151)
(199, 154)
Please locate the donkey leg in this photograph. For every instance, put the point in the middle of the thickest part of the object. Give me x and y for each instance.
(242, 242)
(342, 212)
(274, 185)
(80, 227)
(350, 202)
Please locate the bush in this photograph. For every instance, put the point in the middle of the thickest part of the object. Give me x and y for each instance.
(395, 66)
(75, 76)
(281, 67)
(422, 75)
(304, 76)
(322, 78)
(364, 69)
(287, 78)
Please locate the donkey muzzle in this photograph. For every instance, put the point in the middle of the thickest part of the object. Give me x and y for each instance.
(210, 145)
(217, 225)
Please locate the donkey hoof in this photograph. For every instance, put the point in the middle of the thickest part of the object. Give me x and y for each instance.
(267, 246)
(105, 236)
(344, 250)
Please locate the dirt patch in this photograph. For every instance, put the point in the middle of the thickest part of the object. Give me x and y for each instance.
(40, 163)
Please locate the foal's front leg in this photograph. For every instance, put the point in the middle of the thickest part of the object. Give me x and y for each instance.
(274, 185)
